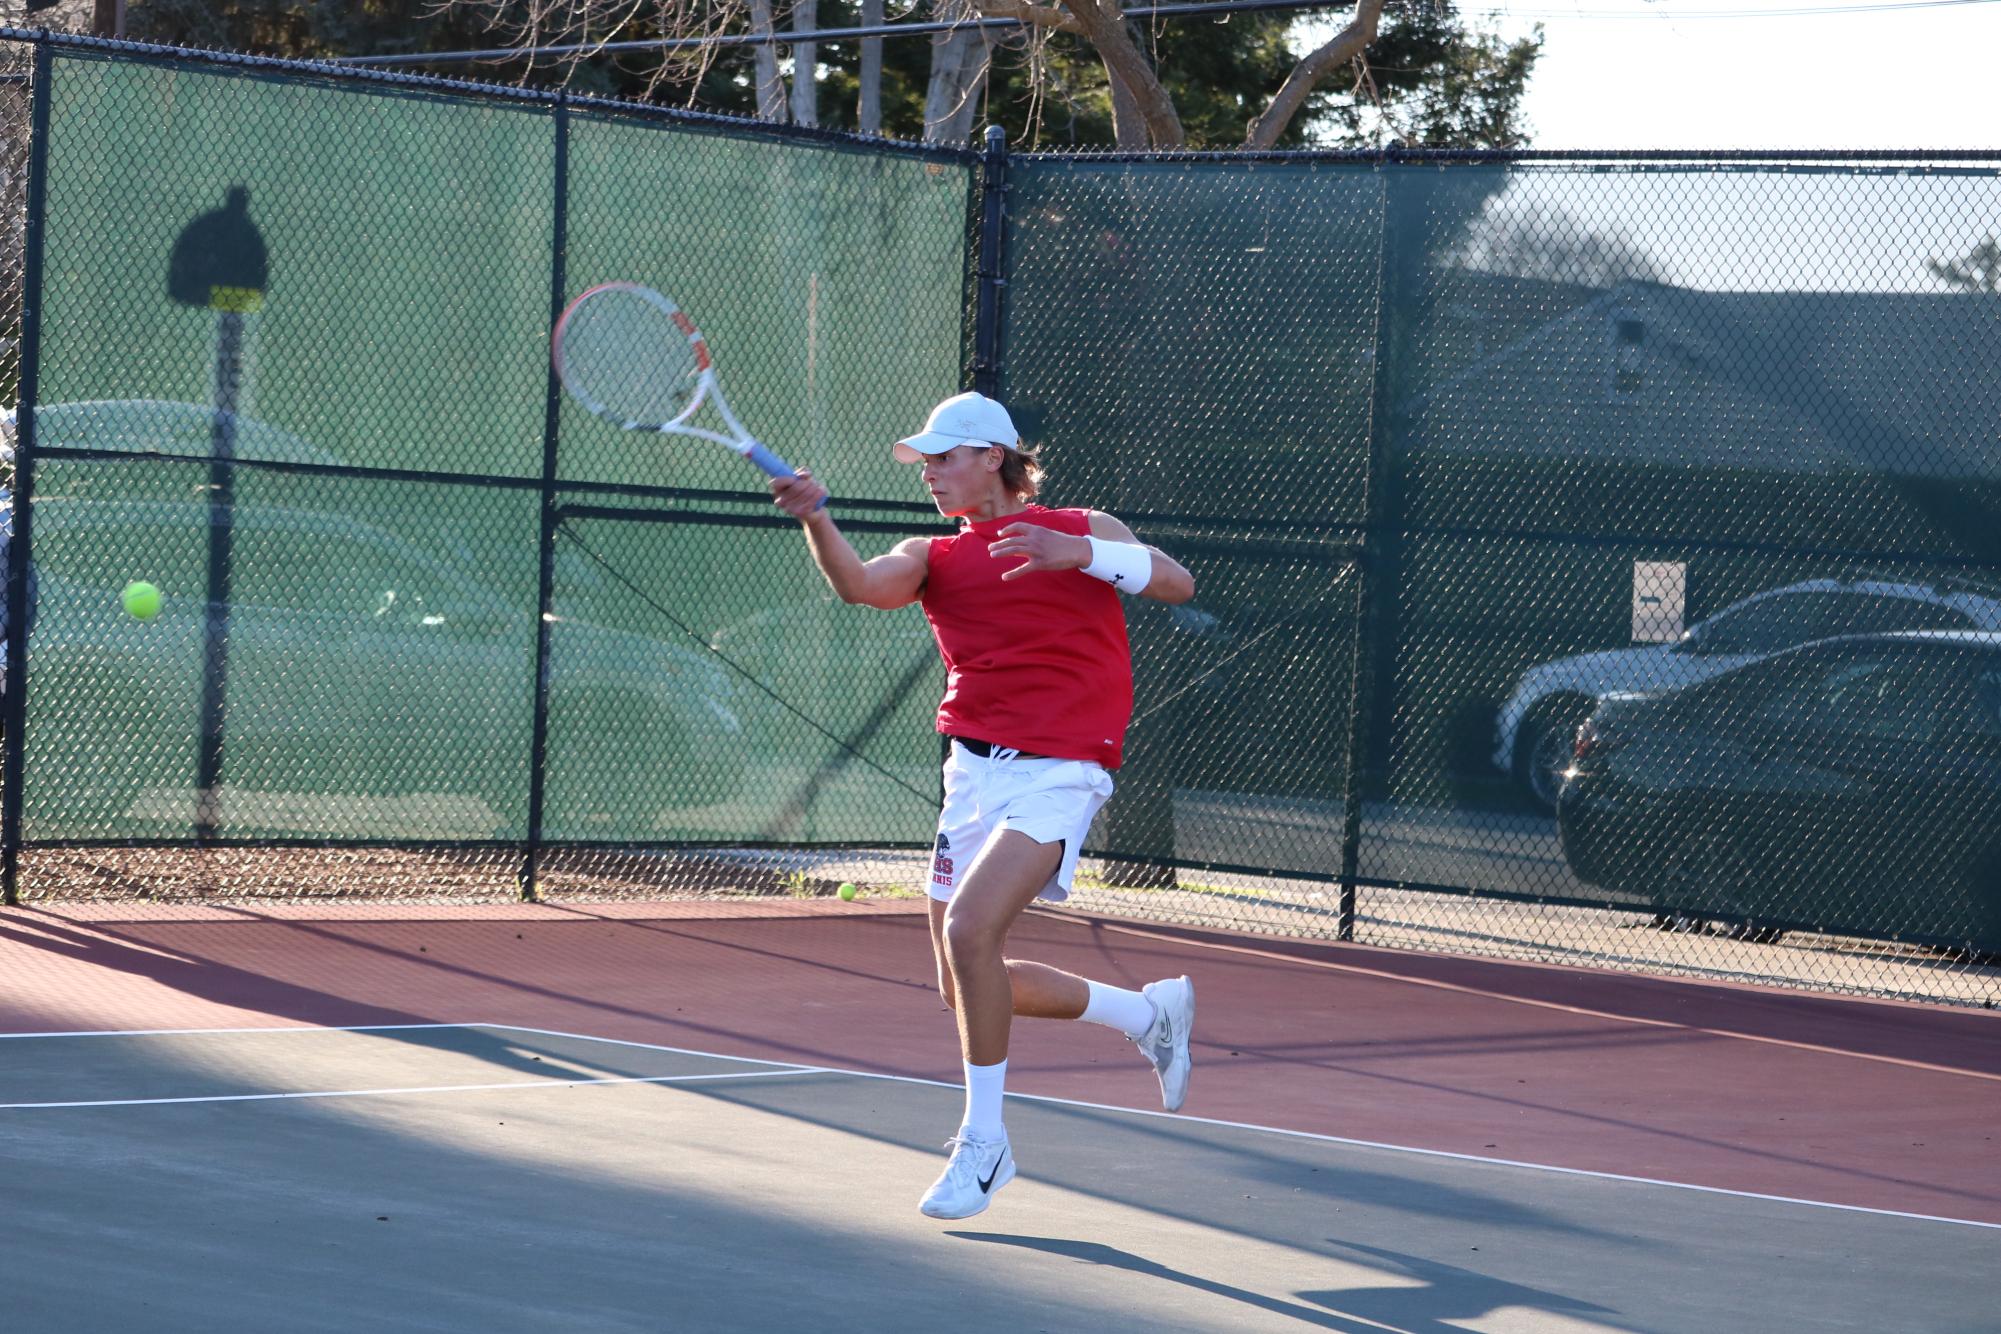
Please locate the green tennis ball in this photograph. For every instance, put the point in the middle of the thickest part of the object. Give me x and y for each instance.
(848, 891)
(141, 599)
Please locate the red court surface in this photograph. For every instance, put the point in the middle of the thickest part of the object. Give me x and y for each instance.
(1878, 1105)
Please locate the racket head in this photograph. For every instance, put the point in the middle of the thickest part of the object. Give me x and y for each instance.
(630, 355)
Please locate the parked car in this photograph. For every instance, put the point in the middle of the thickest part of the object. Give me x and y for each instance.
(1850, 785)
(1533, 734)
(361, 661)
(155, 426)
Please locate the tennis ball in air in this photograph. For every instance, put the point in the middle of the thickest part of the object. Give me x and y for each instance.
(848, 891)
(141, 599)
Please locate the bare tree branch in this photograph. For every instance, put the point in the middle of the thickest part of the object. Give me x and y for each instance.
(1980, 271)
(1104, 26)
(1040, 16)
(1308, 74)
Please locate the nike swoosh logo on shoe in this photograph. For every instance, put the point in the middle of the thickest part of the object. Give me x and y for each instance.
(988, 1185)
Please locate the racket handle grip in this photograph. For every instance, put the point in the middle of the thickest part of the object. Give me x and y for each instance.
(775, 466)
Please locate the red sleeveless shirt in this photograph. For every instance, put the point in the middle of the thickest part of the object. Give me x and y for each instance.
(1038, 663)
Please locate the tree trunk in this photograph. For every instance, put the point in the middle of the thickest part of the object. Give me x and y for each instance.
(1128, 125)
(805, 56)
(1350, 42)
(770, 86)
(1127, 67)
(959, 62)
(868, 117)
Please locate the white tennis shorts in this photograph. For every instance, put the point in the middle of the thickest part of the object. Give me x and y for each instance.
(1046, 799)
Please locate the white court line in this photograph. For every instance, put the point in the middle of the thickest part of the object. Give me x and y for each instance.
(1334, 1139)
(783, 1069)
(372, 1093)
(654, 1046)
(263, 1028)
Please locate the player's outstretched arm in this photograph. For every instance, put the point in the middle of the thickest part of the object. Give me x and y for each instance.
(893, 579)
(1110, 553)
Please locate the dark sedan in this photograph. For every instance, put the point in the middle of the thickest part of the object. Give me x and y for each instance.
(1851, 785)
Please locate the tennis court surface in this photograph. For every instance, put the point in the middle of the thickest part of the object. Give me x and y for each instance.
(707, 1116)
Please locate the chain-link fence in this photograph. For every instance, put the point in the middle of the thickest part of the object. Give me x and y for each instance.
(428, 629)
(1671, 490)
(1597, 560)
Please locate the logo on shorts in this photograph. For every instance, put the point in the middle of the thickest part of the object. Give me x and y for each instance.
(941, 865)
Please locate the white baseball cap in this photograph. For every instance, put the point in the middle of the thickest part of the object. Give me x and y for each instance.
(963, 419)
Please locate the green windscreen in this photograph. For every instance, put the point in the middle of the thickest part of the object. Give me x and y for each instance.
(294, 372)
(404, 318)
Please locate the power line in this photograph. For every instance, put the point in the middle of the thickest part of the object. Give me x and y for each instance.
(782, 37)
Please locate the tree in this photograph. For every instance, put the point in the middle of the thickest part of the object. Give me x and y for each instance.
(1078, 71)
(287, 28)
(1076, 74)
(1541, 240)
(1423, 76)
(1980, 271)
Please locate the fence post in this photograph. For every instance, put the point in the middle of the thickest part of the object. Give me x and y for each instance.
(18, 547)
(987, 349)
(1376, 559)
(552, 410)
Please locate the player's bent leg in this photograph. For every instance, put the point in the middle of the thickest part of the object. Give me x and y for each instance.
(1002, 881)
(1159, 1019)
(1039, 991)
(1009, 872)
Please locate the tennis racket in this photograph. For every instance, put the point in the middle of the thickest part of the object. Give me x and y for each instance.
(634, 358)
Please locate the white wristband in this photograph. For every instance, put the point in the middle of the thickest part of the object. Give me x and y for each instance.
(1124, 565)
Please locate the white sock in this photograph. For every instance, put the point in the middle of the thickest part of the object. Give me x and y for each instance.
(1128, 1011)
(983, 1101)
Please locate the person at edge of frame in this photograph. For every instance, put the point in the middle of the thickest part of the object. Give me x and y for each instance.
(1024, 603)
(6, 541)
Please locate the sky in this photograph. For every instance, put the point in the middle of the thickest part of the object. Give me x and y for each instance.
(1828, 74)
(1809, 74)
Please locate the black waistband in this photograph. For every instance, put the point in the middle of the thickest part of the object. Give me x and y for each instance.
(985, 749)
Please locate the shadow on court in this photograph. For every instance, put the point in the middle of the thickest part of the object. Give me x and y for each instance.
(380, 1179)
(1448, 1294)
(1880, 1105)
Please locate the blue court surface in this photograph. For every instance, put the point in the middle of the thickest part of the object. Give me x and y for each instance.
(489, 1178)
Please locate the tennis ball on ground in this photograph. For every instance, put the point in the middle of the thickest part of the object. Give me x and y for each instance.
(141, 599)
(848, 891)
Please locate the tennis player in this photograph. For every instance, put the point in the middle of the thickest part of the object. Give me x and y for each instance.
(1025, 604)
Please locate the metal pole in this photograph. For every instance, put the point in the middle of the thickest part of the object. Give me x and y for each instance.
(1378, 565)
(993, 264)
(221, 545)
(552, 408)
(19, 549)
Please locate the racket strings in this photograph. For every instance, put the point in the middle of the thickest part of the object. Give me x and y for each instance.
(626, 358)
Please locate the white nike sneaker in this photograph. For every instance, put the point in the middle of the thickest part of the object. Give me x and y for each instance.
(977, 1169)
(1165, 1045)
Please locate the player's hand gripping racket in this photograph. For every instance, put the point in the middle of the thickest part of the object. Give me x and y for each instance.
(634, 358)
